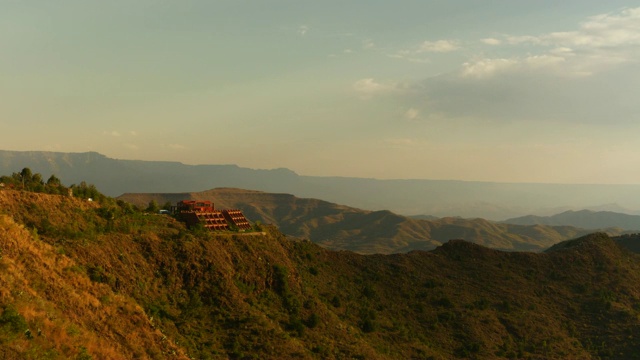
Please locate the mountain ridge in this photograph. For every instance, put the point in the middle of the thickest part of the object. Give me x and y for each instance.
(586, 219)
(493, 201)
(340, 227)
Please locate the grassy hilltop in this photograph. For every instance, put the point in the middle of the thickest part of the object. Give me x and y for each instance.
(103, 280)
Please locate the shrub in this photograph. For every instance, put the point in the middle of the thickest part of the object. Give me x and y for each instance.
(296, 325)
(481, 304)
(367, 325)
(312, 321)
(280, 283)
(444, 302)
(83, 354)
(368, 292)
(12, 320)
(367, 318)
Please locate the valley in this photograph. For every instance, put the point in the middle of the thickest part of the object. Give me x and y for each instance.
(339, 227)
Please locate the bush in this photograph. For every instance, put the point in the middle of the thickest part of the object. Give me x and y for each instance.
(444, 302)
(481, 304)
(280, 283)
(367, 318)
(368, 292)
(367, 325)
(313, 321)
(12, 320)
(296, 325)
(153, 207)
(83, 354)
(335, 301)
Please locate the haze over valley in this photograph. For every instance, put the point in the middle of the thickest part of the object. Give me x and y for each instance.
(440, 198)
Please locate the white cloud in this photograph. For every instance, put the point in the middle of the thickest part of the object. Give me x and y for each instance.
(491, 41)
(303, 29)
(440, 46)
(543, 61)
(369, 87)
(584, 76)
(605, 30)
(600, 43)
(403, 55)
(112, 133)
(416, 54)
(516, 40)
(481, 68)
(539, 88)
(564, 51)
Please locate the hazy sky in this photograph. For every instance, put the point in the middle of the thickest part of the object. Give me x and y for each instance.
(502, 90)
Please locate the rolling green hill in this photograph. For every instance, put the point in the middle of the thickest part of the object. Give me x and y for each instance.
(340, 227)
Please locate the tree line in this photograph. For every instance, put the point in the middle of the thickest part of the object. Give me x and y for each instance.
(28, 181)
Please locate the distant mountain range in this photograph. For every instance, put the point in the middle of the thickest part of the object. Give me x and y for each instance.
(340, 227)
(585, 219)
(441, 198)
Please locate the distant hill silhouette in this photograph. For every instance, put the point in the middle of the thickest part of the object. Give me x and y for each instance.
(441, 198)
(340, 227)
(585, 219)
(424, 217)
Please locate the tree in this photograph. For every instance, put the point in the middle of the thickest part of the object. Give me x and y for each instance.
(153, 207)
(25, 176)
(53, 181)
(86, 191)
(37, 179)
(29, 181)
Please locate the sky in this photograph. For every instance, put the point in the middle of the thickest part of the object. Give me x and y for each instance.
(479, 90)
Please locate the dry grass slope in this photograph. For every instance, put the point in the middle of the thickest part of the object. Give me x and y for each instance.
(106, 283)
(58, 312)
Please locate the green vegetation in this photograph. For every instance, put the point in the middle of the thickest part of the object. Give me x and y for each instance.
(153, 207)
(27, 180)
(12, 321)
(105, 280)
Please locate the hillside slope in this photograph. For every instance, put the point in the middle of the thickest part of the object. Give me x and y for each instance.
(50, 307)
(101, 281)
(340, 227)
